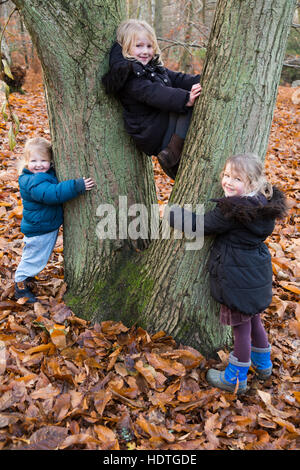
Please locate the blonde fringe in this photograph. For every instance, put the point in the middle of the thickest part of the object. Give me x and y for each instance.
(39, 143)
(252, 167)
(127, 32)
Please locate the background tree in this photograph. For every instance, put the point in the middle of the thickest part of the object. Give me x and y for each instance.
(163, 286)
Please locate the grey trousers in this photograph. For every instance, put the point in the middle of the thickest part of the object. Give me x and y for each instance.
(35, 256)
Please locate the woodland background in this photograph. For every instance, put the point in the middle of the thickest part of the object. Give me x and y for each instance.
(68, 384)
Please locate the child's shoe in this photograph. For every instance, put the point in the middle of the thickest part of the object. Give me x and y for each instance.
(169, 157)
(171, 154)
(261, 362)
(227, 379)
(23, 290)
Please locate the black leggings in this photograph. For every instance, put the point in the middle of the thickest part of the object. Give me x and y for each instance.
(178, 124)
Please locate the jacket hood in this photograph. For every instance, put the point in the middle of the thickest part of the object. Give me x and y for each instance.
(247, 209)
(121, 68)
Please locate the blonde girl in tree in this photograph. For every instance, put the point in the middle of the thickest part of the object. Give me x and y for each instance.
(157, 102)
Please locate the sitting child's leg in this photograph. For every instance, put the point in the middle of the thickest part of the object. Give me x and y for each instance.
(172, 145)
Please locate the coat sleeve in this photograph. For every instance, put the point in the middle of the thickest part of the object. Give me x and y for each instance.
(157, 95)
(213, 222)
(47, 192)
(183, 80)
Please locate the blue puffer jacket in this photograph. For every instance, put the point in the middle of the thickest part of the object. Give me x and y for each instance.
(42, 197)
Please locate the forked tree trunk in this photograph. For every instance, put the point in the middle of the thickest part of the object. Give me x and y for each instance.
(233, 114)
(169, 289)
(164, 286)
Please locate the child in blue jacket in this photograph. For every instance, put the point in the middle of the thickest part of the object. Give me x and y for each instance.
(42, 197)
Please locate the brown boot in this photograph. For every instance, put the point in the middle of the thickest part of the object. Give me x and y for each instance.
(170, 156)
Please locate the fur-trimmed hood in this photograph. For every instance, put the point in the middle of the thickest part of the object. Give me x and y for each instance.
(247, 209)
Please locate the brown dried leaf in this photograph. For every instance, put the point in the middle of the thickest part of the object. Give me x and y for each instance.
(47, 438)
(107, 437)
(155, 430)
(82, 438)
(101, 399)
(44, 393)
(168, 366)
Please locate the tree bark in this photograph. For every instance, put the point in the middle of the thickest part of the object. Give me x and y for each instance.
(158, 17)
(233, 114)
(185, 59)
(164, 286)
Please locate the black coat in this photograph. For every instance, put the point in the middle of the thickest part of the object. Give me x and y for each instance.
(240, 263)
(147, 93)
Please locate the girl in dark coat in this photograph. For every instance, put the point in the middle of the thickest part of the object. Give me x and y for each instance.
(42, 198)
(240, 263)
(157, 102)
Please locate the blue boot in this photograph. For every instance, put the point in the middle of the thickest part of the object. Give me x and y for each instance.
(227, 379)
(261, 362)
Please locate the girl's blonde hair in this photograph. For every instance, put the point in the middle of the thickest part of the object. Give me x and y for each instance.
(127, 33)
(43, 146)
(251, 168)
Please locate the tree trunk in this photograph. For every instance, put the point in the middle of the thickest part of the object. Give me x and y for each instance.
(186, 57)
(233, 114)
(158, 17)
(164, 286)
(73, 40)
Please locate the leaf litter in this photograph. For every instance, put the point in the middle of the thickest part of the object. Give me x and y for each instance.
(68, 384)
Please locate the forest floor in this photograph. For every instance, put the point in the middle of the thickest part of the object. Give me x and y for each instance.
(68, 384)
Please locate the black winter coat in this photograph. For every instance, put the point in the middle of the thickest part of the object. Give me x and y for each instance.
(147, 93)
(240, 263)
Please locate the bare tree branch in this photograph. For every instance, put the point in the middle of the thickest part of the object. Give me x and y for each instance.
(204, 30)
(181, 43)
(286, 64)
(293, 62)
